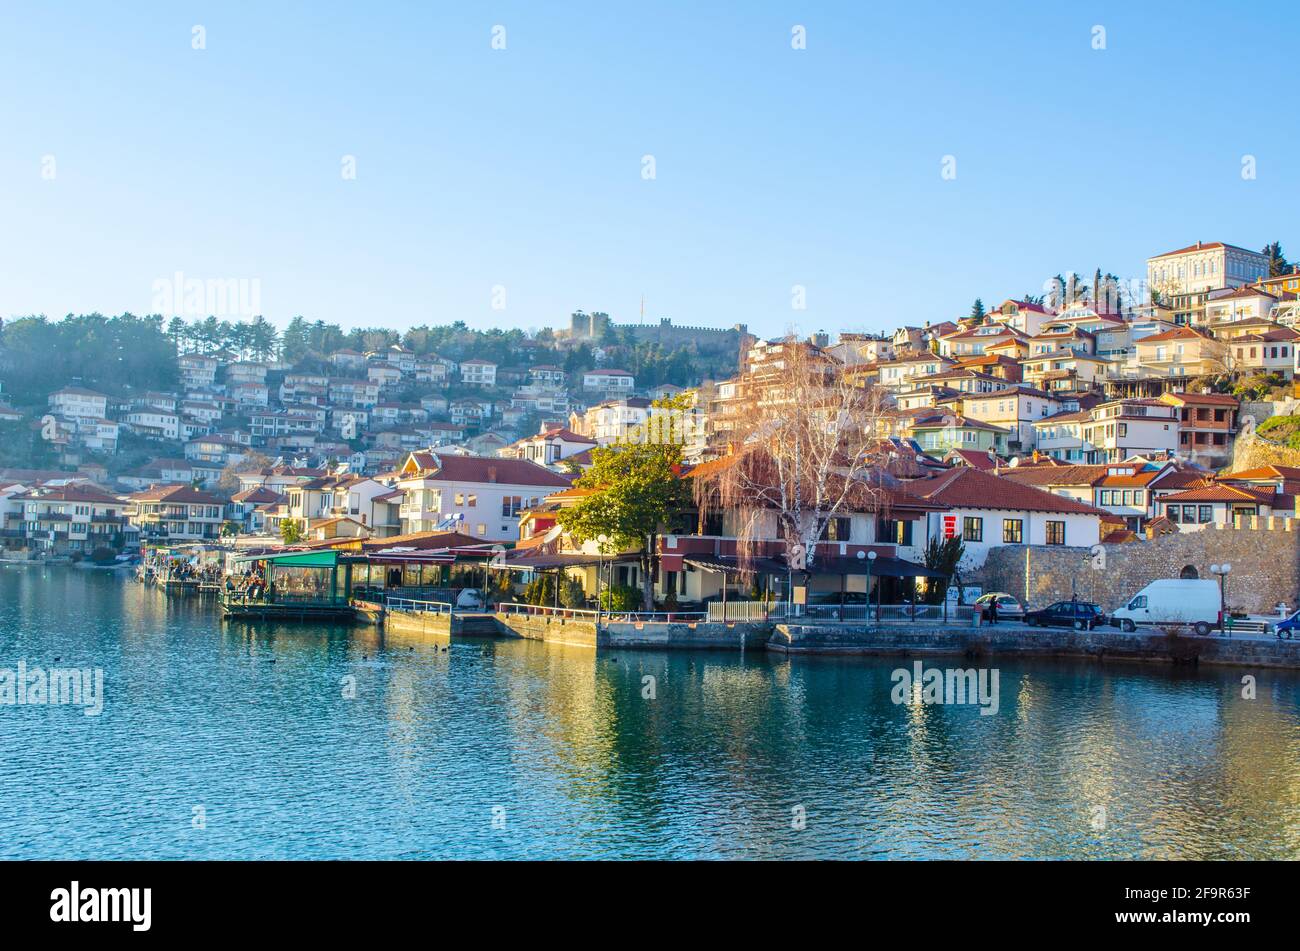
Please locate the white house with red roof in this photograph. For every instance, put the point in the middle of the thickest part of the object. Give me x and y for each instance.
(1024, 317)
(67, 518)
(548, 446)
(479, 495)
(609, 381)
(986, 511)
(170, 513)
(973, 342)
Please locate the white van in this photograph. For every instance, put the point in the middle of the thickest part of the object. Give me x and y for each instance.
(1173, 601)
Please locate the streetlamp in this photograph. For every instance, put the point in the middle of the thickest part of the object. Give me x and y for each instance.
(601, 539)
(871, 560)
(1222, 571)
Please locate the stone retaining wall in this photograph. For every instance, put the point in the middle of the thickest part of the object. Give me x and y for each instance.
(1103, 643)
(1264, 554)
(554, 629)
(417, 622)
(698, 636)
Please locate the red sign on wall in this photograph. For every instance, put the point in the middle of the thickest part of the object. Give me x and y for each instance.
(950, 526)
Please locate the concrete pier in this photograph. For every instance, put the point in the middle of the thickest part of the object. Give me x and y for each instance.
(895, 640)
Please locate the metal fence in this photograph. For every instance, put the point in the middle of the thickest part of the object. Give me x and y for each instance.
(746, 610)
(416, 606)
(545, 610)
(757, 611)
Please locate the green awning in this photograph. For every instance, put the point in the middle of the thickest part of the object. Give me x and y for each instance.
(300, 559)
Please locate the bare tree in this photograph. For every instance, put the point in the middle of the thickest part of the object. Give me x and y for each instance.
(804, 445)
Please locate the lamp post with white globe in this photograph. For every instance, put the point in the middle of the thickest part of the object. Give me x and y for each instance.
(601, 541)
(871, 560)
(1222, 571)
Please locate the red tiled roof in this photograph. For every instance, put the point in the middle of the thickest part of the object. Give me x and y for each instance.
(1263, 472)
(258, 495)
(1227, 493)
(1217, 399)
(1177, 333)
(79, 492)
(425, 541)
(176, 493)
(1055, 475)
(964, 487)
(1202, 246)
(486, 469)
(973, 458)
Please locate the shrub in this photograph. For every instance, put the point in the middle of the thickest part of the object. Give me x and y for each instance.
(620, 598)
(541, 590)
(571, 593)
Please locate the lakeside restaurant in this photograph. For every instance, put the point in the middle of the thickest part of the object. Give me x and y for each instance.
(335, 580)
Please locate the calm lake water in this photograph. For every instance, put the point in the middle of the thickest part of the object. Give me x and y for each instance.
(513, 749)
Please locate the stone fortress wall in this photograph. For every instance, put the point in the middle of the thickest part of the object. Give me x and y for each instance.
(1264, 554)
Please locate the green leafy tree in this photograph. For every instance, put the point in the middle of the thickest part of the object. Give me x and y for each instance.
(291, 531)
(639, 493)
(977, 309)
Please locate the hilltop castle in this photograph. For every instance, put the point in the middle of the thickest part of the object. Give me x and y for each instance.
(584, 326)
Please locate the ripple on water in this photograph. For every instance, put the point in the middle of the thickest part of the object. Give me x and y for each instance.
(524, 750)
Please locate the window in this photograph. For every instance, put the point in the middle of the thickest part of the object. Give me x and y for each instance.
(1013, 531)
(1171, 512)
(889, 530)
(1055, 533)
(473, 500)
(511, 506)
(972, 529)
(836, 530)
(1206, 514)
(482, 529)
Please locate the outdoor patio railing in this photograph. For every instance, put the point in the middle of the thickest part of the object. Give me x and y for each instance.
(545, 610)
(755, 611)
(418, 607)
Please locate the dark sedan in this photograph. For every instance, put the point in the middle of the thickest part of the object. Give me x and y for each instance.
(1080, 615)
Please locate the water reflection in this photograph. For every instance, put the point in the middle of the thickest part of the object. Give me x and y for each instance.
(351, 742)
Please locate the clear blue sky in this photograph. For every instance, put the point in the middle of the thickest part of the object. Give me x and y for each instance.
(522, 167)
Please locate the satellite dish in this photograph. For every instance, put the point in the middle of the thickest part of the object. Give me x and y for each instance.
(1013, 462)
(554, 532)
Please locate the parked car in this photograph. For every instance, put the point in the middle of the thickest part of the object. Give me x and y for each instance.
(1009, 606)
(1173, 602)
(1287, 629)
(1080, 615)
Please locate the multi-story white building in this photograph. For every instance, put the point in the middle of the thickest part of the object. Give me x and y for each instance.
(480, 496)
(198, 370)
(608, 381)
(75, 402)
(175, 513)
(1015, 409)
(69, 518)
(1120, 429)
(478, 373)
(153, 423)
(1185, 278)
(357, 393)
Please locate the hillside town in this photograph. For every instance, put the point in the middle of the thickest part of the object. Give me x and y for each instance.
(1089, 414)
